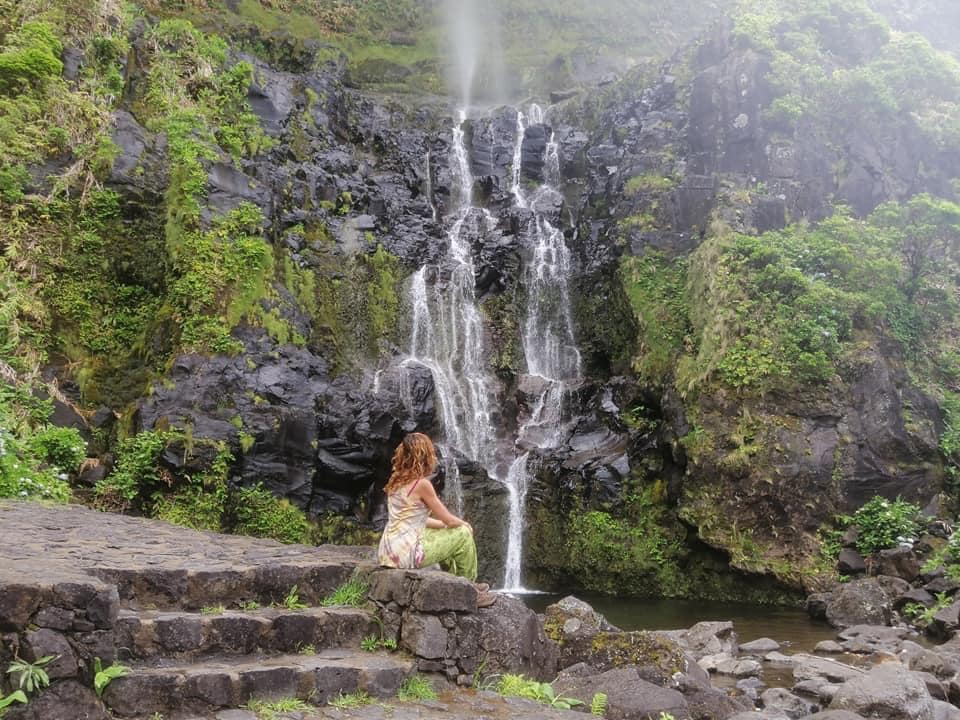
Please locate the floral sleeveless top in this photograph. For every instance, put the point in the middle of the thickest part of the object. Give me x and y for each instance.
(401, 545)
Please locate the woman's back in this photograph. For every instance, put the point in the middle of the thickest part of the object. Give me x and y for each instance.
(401, 545)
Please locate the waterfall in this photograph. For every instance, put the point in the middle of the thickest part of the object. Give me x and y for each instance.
(447, 335)
(551, 354)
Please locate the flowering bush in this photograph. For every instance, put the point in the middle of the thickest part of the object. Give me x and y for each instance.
(24, 476)
(884, 523)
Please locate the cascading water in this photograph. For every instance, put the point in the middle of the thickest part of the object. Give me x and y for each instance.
(448, 337)
(552, 357)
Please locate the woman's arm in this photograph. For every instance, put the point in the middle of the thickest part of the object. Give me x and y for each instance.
(428, 496)
(435, 524)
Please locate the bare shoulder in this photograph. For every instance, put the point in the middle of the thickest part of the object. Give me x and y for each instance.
(424, 488)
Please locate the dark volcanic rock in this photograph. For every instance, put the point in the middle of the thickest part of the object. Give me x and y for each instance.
(868, 601)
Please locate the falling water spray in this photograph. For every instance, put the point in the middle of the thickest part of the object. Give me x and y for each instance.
(475, 71)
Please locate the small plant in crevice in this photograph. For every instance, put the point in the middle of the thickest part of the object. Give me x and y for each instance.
(416, 688)
(306, 649)
(32, 675)
(598, 704)
(213, 610)
(510, 685)
(351, 700)
(921, 615)
(292, 600)
(249, 605)
(274, 709)
(104, 676)
(352, 593)
(6, 701)
(371, 643)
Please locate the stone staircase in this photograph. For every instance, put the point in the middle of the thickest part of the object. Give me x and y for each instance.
(205, 622)
(192, 662)
(208, 622)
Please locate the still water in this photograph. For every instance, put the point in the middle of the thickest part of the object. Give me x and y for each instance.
(791, 627)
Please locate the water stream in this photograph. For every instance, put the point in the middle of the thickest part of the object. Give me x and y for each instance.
(550, 351)
(448, 337)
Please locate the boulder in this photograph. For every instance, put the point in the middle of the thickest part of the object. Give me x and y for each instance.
(585, 636)
(760, 646)
(866, 601)
(946, 621)
(941, 664)
(851, 562)
(823, 670)
(867, 639)
(899, 562)
(786, 702)
(889, 691)
(628, 695)
(708, 638)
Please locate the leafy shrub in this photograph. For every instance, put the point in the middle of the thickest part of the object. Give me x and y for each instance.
(64, 448)
(258, 512)
(882, 523)
(22, 476)
(31, 56)
(12, 181)
(137, 473)
(194, 507)
(607, 553)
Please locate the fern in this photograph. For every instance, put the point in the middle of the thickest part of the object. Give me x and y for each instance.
(598, 705)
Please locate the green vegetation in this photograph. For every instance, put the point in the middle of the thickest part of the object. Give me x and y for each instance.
(921, 615)
(292, 600)
(260, 513)
(598, 704)
(397, 46)
(656, 287)
(137, 473)
(519, 686)
(416, 689)
(782, 309)
(882, 523)
(352, 593)
(649, 182)
(6, 701)
(827, 83)
(631, 547)
(372, 643)
(275, 709)
(104, 676)
(31, 677)
(349, 701)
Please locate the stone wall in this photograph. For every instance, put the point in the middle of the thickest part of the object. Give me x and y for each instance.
(434, 617)
(71, 617)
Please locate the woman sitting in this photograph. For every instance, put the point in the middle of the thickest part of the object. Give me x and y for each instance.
(420, 530)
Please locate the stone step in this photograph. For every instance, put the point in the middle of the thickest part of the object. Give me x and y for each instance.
(198, 585)
(185, 636)
(202, 688)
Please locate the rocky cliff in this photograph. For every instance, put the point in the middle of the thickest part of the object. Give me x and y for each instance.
(210, 240)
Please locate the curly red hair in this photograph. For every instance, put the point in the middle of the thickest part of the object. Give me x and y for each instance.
(414, 458)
